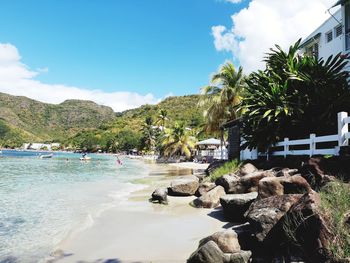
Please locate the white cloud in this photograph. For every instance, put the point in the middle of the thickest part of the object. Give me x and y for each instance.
(265, 23)
(18, 79)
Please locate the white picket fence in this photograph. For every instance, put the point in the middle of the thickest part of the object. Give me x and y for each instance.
(340, 139)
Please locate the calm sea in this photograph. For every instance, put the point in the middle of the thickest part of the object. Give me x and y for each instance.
(43, 200)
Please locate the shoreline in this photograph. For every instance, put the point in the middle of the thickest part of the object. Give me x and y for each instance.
(191, 165)
(137, 230)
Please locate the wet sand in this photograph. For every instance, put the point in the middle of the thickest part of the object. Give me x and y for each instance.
(139, 231)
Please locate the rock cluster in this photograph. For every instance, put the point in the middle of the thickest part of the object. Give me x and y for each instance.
(278, 208)
(222, 247)
(210, 199)
(235, 205)
(184, 187)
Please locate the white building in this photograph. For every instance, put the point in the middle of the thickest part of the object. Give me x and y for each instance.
(333, 36)
(40, 146)
(328, 39)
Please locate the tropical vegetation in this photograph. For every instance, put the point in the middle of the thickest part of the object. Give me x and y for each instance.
(222, 96)
(226, 168)
(178, 141)
(294, 96)
(335, 203)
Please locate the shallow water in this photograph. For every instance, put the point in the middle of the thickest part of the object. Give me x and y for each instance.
(43, 200)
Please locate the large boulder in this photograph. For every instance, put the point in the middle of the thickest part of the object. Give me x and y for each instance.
(308, 227)
(247, 168)
(207, 253)
(184, 187)
(264, 214)
(226, 240)
(210, 199)
(160, 195)
(230, 182)
(314, 172)
(249, 183)
(235, 205)
(295, 184)
(204, 188)
(235, 184)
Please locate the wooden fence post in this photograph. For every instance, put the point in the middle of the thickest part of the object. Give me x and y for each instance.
(312, 144)
(286, 147)
(342, 129)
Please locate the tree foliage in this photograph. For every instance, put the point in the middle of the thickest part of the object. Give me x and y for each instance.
(177, 141)
(222, 97)
(294, 96)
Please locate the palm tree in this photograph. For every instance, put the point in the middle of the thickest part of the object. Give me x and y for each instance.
(178, 141)
(293, 97)
(148, 133)
(162, 118)
(222, 97)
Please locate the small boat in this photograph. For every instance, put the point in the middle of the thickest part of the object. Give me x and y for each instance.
(85, 158)
(46, 156)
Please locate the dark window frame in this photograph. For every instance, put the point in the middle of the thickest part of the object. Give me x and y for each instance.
(329, 36)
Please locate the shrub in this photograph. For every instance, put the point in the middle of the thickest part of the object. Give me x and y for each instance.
(335, 203)
(293, 97)
(226, 168)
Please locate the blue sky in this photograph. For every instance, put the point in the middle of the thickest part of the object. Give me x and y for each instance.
(158, 46)
(125, 53)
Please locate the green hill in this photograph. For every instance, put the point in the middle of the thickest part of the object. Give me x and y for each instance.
(180, 109)
(23, 119)
(27, 119)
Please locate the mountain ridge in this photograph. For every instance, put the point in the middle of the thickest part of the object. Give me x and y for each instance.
(24, 119)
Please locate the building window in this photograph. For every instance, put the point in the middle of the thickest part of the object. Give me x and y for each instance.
(338, 30)
(347, 26)
(315, 51)
(329, 36)
(312, 50)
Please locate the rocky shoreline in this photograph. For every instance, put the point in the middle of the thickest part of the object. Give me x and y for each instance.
(275, 207)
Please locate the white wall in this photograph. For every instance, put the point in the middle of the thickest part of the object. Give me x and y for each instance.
(336, 45)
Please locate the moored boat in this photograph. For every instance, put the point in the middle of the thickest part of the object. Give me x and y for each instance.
(85, 158)
(46, 156)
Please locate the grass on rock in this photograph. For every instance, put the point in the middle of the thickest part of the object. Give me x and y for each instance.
(335, 203)
(226, 168)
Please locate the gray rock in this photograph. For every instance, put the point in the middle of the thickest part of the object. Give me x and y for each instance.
(249, 183)
(207, 253)
(230, 183)
(184, 187)
(210, 199)
(239, 257)
(247, 168)
(295, 184)
(235, 205)
(204, 188)
(227, 241)
(263, 214)
(160, 195)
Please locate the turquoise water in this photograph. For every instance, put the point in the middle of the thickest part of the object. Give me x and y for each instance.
(43, 200)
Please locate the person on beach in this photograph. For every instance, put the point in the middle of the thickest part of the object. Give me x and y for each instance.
(119, 161)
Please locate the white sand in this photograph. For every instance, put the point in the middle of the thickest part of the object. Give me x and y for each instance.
(139, 231)
(191, 165)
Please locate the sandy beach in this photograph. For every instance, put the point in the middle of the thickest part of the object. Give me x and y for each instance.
(136, 230)
(191, 165)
